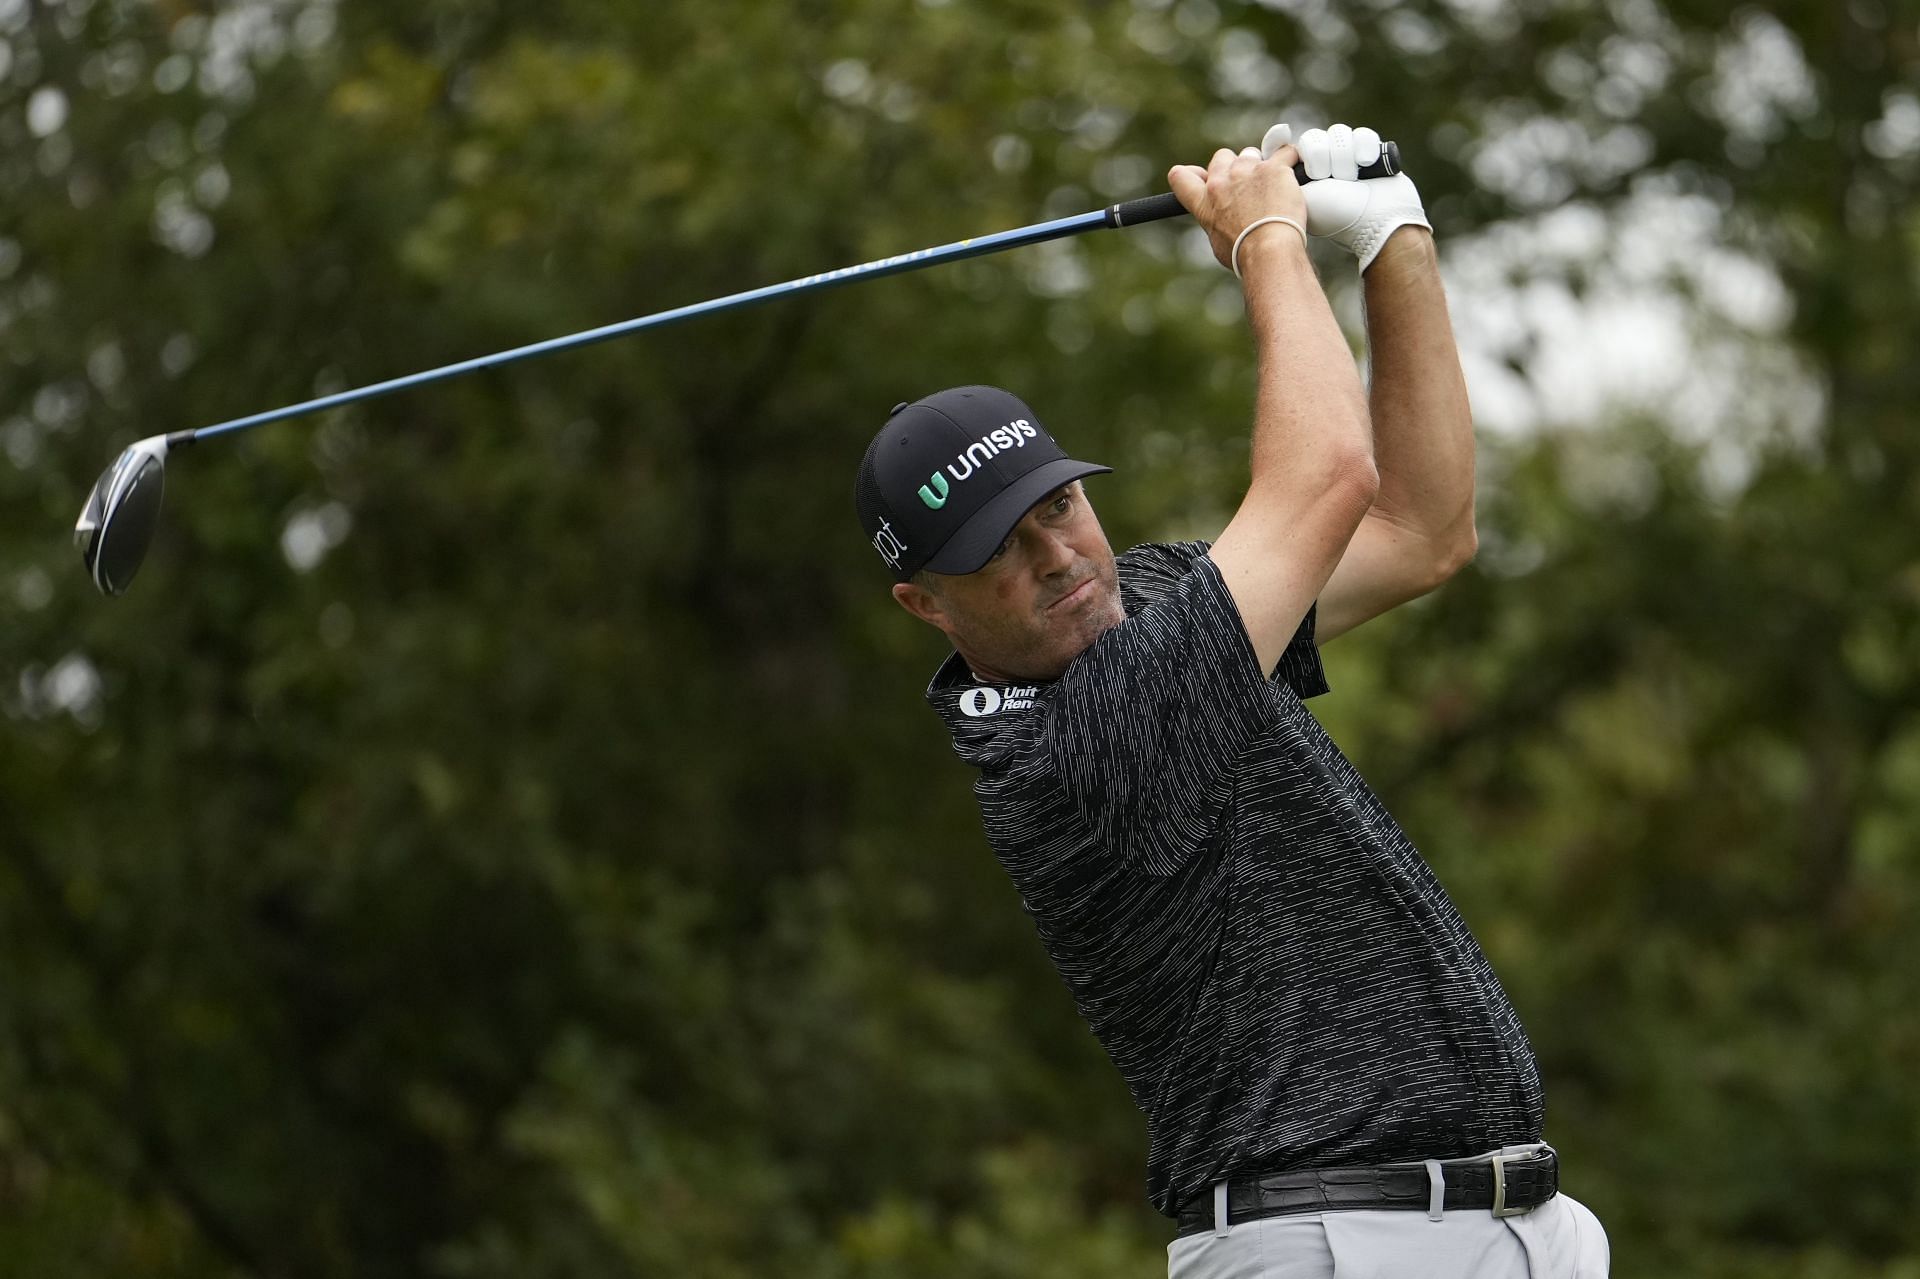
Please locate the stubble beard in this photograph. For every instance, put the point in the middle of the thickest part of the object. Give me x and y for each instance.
(1044, 650)
(1094, 614)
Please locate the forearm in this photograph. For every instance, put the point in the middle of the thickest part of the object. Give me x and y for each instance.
(1422, 421)
(1313, 472)
(1310, 420)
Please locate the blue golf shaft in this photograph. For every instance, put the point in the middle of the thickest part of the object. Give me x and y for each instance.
(1131, 213)
(1150, 208)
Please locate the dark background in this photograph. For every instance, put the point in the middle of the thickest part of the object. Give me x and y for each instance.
(500, 833)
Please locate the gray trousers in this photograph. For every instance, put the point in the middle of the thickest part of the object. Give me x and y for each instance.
(1561, 1239)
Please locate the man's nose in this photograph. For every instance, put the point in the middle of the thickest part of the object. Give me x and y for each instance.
(1056, 553)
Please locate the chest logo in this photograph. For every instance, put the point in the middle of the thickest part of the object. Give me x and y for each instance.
(980, 702)
(976, 703)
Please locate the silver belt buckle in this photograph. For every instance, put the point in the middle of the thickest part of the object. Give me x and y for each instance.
(1500, 1208)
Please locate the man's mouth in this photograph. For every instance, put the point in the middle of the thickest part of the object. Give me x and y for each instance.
(1073, 594)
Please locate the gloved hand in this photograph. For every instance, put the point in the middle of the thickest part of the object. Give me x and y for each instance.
(1358, 214)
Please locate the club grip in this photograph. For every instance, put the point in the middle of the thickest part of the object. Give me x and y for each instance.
(1152, 208)
(1385, 167)
(1148, 208)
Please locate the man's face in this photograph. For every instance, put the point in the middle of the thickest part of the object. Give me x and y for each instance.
(1047, 593)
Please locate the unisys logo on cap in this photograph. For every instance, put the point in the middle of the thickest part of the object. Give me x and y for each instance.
(1013, 435)
(949, 476)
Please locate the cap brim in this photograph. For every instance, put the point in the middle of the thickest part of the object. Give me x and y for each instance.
(974, 543)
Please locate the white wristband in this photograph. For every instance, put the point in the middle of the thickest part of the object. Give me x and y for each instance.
(1254, 225)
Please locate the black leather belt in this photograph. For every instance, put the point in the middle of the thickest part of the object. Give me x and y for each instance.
(1507, 1186)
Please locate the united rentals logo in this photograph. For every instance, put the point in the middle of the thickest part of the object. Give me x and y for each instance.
(981, 701)
(1013, 435)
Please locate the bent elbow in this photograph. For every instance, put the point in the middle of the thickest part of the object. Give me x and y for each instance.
(1357, 477)
(1456, 553)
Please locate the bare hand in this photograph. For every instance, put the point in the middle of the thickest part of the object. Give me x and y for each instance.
(1235, 190)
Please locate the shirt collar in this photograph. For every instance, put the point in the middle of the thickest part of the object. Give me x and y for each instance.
(979, 712)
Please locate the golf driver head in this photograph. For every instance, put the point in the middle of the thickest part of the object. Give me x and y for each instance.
(117, 524)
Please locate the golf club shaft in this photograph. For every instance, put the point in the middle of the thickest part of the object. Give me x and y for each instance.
(867, 270)
(1131, 213)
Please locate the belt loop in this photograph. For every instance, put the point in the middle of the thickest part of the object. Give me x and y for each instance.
(1436, 1191)
(1220, 1225)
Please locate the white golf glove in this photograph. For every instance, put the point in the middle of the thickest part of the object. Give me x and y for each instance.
(1356, 213)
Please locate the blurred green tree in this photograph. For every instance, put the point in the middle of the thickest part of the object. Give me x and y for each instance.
(498, 835)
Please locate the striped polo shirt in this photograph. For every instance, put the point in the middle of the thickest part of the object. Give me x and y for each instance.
(1262, 952)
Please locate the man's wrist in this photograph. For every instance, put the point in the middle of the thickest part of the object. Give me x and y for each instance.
(1409, 246)
(1274, 240)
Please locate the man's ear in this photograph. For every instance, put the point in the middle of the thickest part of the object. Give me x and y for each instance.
(921, 602)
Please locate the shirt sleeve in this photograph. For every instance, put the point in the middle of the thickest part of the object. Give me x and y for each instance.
(1299, 667)
(1153, 569)
(1145, 728)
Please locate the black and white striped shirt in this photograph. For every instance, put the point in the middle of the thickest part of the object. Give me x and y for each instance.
(1262, 952)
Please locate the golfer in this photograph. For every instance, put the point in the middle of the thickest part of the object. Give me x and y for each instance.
(1332, 1077)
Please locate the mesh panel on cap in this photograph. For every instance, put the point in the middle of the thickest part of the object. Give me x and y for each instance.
(866, 492)
(870, 504)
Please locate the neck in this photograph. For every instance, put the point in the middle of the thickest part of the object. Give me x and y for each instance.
(981, 671)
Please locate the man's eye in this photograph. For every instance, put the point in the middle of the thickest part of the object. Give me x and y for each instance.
(1003, 548)
(1061, 503)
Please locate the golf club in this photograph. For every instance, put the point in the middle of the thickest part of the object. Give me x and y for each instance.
(116, 526)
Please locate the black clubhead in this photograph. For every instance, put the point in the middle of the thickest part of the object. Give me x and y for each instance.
(117, 525)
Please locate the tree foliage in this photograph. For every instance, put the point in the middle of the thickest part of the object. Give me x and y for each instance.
(499, 834)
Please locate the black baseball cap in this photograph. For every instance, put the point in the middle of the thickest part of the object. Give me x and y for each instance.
(949, 476)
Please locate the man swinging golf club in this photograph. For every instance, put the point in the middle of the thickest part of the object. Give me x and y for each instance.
(1330, 1072)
